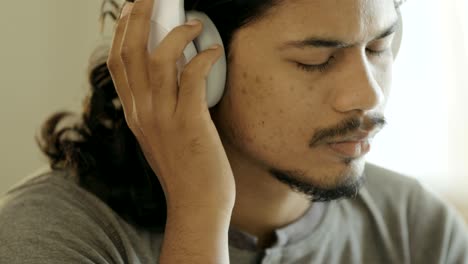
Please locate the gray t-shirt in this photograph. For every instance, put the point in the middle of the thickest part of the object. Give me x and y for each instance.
(48, 218)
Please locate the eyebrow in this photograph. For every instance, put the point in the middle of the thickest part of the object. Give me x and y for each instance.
(332, 43)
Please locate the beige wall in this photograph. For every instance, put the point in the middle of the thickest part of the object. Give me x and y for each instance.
(45, 46)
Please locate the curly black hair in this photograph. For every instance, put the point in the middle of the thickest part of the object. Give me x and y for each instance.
(100, 150)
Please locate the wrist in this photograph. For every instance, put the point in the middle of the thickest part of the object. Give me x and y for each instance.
(211, 212)
(196, 235)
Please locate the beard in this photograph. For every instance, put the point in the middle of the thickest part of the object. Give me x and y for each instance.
(348, 188)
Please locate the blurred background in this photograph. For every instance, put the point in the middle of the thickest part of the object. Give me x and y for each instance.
(46, 46)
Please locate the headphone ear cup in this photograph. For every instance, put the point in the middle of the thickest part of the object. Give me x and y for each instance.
(398, 35)
(216, 80)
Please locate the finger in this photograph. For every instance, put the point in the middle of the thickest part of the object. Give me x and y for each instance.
(134, 51)
(115, 65)
(192, 91)
(163, 68)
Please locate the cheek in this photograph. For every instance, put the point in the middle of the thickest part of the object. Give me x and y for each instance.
(269, 115)
(255, 110)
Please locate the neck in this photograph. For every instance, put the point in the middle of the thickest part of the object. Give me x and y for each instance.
(263, 204)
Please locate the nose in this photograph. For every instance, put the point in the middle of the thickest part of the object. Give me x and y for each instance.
(357, 87)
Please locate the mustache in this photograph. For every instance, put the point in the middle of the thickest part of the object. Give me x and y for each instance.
(347, 127)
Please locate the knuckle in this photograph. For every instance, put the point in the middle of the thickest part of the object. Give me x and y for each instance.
(195, 69)
(112, 64)
(157, 61)
(131, 52)
(126, 54)
(190, 71)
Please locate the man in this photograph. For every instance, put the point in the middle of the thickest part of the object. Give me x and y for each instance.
(306, 92)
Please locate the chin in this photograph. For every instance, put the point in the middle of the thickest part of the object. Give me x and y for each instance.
(332, 182)
(351, 168)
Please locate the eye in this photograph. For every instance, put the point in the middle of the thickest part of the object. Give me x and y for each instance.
(377, 53)
(380, 47)
(315, 67)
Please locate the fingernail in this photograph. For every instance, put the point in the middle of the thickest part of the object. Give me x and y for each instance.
(193, 22)
(215, 46)
(126, 9)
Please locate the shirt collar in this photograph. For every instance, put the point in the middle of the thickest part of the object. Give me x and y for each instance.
(291, 233)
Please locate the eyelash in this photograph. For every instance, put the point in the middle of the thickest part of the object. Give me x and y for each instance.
(377, 53)
(316, 67)
(324, 66)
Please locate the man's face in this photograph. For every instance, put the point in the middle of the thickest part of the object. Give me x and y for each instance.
(281, 116)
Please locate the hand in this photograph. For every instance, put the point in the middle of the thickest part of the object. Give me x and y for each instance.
(171, 123)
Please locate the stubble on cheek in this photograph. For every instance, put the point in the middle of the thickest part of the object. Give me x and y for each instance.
(250, 109)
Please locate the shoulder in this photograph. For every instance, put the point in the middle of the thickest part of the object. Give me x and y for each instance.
(48, 216)
(48, 194)
(387, 186)
(390, 193)
(435, 230)
(377, 175)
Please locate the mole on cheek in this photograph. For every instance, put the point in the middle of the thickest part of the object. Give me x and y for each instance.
(311, 87)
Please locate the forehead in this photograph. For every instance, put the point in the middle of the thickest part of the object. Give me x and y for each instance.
(351, 20)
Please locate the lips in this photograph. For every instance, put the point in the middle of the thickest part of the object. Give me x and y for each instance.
(351, 149)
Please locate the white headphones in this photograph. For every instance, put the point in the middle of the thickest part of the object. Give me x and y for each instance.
(168, 14)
